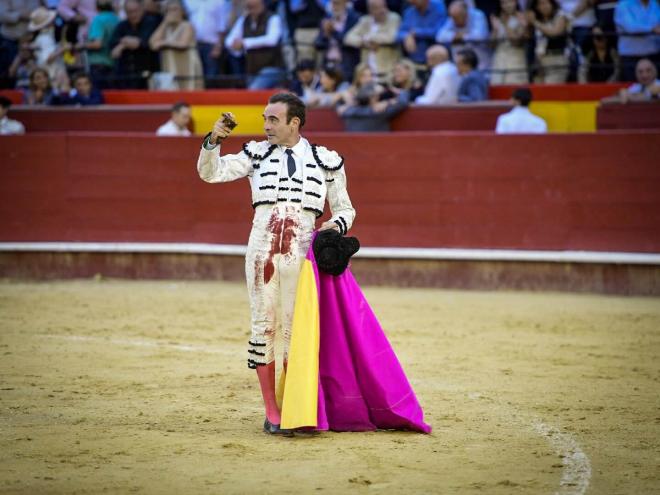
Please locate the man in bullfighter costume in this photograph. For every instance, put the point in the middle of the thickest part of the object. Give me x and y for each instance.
(290, 180)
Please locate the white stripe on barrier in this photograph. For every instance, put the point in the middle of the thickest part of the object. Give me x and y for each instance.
(365, 252)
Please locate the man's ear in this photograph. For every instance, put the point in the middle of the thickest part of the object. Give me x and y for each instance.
(296, 121)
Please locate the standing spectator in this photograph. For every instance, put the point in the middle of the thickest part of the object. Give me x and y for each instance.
(40, 91)
(210, 18)
(551, 34)
(442, 86)
(368, 114)
(47, 51)
(14, 18)
(520, 120)
(467, 27)
(404, 78)
(601, 63)
(178, 124)
(329, 91)
(421, 21)
(307, 15)
(130, 47)
(582, 15)
(24, 63)
(647, 86)
(175, 40)
(7, 125)
(638, 25)
(330, 41)
(257, 35)
(375, 34)
(473, 85)
(97, 45)
(83, 93)
(508, 33)
(77, 14)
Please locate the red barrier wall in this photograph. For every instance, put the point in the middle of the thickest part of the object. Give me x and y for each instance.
(628, 116)
(473, 190)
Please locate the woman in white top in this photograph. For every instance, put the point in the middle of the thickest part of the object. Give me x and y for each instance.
(175, 39)
(508, 33)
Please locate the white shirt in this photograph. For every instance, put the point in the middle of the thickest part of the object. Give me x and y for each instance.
(291, 187)
(9, 126)
(171, 129)
(271, 38)
(209, 17)
(585, 19)
(442, 86)
(520, 121)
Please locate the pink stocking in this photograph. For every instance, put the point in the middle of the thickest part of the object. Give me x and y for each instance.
(266, 374)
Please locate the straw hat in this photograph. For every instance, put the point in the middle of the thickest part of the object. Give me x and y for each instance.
(40, 18)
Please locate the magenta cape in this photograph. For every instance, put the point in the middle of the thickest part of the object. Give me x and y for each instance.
(342, 373)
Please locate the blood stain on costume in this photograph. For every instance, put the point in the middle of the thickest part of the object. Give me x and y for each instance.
(289, 234)
(274, 227)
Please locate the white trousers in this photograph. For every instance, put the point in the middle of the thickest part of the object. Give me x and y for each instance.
(280, 237)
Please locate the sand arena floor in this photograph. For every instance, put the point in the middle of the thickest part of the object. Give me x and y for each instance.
(141, 387)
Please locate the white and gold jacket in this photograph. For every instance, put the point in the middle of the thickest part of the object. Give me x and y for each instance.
(323, 176)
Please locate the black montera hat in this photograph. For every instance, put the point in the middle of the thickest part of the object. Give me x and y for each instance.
(333, 251)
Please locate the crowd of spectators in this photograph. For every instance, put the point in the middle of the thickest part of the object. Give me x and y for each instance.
(417, 51)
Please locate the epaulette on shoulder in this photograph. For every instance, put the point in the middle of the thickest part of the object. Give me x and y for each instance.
(327, 159)
(258, 150)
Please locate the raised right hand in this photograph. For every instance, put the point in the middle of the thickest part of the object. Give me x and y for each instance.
(220, 131)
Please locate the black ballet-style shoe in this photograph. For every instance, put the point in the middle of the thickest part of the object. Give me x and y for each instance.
(272, 429)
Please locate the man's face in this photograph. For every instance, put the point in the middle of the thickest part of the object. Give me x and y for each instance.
(275, 126)
(378, 9)
(3, 112)
(254, 7)
(645, 72)
(338, 7)
(83, 86)
(462, 67)
(134, 12)
(458, 13)
(306, 76)
(181, 117)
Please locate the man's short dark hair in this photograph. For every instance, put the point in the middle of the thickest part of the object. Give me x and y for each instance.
(5, 102)
(523, 95)
(179, 105)
(294, 106)
(81, 75)
(469, 57)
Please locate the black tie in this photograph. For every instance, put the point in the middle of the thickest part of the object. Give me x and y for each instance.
(290, 162)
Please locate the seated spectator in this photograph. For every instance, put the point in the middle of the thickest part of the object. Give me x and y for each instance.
(466, 27)
(24, 63)
(520, 120)
(175, 41)
(638, 25)
(375, 34)
(7, 125)
(421, 22)
(368, 114)
(647, 86)
(98, 44)
(442, 86)
(40, 91)
(47, 52)
(362, 76)
(330, 89)
(508, 33)
(306, 78)
(178, 124)
(77, 15)
(257, 35)
(330, 41)
(135, 61)
(551, 34)
(473, 85)
(404, 78)
(307, 16)
(210, 18)
(83, 92)
(601, 63)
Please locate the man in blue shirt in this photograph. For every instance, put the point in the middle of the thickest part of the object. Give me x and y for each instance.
(421, 21)
(466, 27)
(473, 85)
(640, 17)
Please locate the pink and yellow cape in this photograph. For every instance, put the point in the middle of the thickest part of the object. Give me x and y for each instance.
(342, 373)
